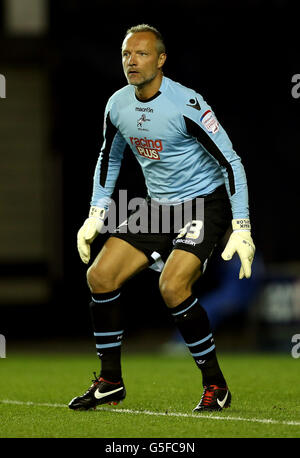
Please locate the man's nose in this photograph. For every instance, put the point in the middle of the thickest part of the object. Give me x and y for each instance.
(132, 60)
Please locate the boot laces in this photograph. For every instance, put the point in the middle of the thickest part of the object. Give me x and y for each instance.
(95, 381)
(208, 395)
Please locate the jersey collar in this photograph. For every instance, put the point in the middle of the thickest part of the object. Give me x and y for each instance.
(162, 86)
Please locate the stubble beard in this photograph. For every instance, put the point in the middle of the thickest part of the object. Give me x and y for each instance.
(144, 82)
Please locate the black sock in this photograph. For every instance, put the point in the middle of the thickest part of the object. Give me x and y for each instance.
(108, 331)
(193, 324)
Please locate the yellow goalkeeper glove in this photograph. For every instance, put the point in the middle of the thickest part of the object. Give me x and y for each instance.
(241, 242)
(89, 231)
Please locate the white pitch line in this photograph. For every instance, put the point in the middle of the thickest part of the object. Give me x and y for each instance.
(30, 403)
(199, 416)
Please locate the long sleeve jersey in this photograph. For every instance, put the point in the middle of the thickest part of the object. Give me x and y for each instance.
(181, 147)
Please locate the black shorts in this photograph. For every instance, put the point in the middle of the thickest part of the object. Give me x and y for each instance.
(196, 226)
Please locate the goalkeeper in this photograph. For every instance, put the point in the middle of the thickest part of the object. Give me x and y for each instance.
(185, 156)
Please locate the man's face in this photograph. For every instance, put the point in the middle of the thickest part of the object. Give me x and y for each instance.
(141, 62)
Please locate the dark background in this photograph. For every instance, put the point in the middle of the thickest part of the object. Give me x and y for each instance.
(240, 56)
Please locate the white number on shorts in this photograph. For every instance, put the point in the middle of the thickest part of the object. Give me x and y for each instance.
(191, 230)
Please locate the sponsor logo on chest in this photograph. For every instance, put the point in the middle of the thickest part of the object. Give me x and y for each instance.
(147, 148)
(141, 121)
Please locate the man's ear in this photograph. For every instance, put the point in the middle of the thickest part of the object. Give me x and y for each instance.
(162, 59)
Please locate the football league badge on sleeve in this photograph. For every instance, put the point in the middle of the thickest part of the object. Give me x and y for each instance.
(210, 122)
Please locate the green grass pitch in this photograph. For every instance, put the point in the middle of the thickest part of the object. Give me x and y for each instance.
(162, 390)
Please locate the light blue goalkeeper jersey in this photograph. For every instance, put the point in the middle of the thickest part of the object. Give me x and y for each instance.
(182, 149)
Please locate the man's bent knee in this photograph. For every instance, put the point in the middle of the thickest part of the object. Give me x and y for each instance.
(181, 271)
(173, 291)
(100, 281)
(115, 264)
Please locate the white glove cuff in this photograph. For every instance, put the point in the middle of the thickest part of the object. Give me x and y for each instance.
(96, 212)
(241, 224)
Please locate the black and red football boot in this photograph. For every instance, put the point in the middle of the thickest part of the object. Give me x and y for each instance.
(214, 398)
(100, 392)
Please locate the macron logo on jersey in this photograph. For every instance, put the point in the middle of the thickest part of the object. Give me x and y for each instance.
(147, 148)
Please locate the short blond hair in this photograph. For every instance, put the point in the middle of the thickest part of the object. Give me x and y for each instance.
(160, 45)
